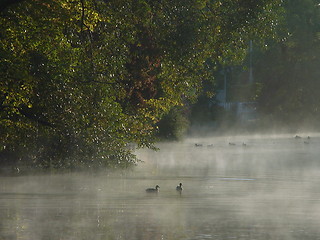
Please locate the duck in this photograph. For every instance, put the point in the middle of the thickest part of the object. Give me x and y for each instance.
(179, 188)
(153, 190)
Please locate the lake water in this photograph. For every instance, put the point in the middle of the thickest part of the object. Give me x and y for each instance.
(267, 188)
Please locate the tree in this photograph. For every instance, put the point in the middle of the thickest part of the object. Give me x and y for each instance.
(289, 71)
(82, 79)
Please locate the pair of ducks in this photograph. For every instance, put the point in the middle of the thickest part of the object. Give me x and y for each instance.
(156, 189)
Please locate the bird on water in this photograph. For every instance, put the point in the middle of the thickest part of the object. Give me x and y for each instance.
(153, 190)
(179, 188)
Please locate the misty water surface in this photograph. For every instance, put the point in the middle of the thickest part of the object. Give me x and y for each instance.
(267, 188)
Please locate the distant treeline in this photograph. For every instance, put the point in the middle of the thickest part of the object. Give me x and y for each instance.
(288, 72)
(286, 78)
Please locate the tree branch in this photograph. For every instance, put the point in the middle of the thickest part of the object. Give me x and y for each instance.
(29, 116)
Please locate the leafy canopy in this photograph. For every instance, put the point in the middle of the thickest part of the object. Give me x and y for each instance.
(82, 79)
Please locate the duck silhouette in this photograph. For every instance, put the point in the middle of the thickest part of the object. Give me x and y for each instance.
(153, 190)
(179, 188)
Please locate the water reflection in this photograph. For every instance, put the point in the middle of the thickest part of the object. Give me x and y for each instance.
(268, 189)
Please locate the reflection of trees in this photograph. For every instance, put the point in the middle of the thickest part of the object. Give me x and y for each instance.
(8, 223)
(54, 217)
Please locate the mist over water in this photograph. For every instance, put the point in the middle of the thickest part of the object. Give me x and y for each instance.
(244, 187)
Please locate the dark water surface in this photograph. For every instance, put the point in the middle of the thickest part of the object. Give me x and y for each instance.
(268, 188)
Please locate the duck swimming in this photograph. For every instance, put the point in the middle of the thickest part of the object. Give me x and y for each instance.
(153, 190)
(179, 188)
